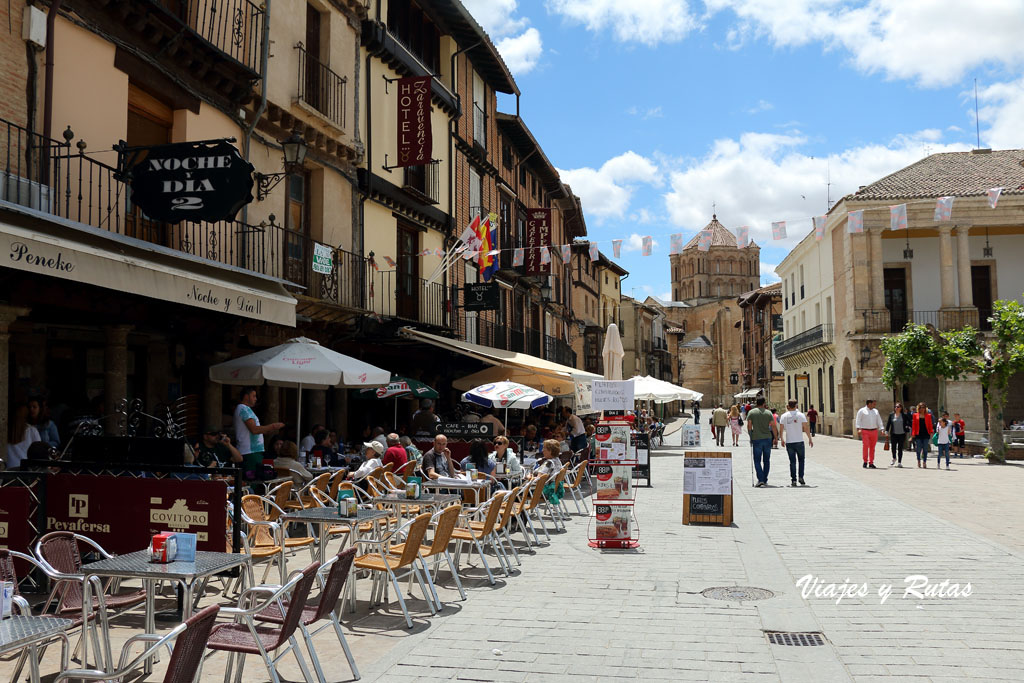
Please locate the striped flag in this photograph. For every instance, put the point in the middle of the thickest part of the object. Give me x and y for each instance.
(594, 251)
(944, 208)
(438, 252)
(566, 252)
(855, 221)
(993, 196)
(742, 236)
(545, 256)
(373, 262)
(616, 248)
(704, 240)
(819, 227)
(898, 217)
(676, 243)
(390, 261)
(518, 256)
(779, 230)
(646, 249)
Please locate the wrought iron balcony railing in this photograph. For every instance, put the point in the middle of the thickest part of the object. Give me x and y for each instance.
(816, 336)
(321, 88)
(235, 27)
(884, 320)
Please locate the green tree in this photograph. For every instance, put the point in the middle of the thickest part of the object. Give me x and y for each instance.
(918, 351)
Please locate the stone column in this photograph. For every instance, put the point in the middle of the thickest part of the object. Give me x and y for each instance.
(339, 414)
(8, 314)
(963, 266)
(271, 399)
(317, 407)
(876, 268)
(115, 373)
(946, 266)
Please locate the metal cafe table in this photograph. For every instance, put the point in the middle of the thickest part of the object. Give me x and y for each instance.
(19, 632)
(477, 486)
(435, 501)
(137, 565)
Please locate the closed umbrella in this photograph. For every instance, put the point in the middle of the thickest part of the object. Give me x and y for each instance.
(299, 363)
(612, 353)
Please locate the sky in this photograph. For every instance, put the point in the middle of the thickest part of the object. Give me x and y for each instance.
(659, 112)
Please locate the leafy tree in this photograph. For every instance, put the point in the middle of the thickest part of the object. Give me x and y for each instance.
(918, 351)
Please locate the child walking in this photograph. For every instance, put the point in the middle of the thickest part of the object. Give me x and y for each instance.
(944, 430)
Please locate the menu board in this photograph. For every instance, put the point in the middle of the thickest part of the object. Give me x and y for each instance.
(707, 476)
(691, 436)
(613, 522)
(612, 442)
(642, 445)
(613, 482)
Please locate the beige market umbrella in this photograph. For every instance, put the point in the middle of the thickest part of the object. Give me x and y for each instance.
(612, 353)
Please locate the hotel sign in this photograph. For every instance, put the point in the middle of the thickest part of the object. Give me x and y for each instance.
(414, 135)
(538, 234)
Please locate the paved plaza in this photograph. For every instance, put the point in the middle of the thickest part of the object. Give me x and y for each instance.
(572, 613)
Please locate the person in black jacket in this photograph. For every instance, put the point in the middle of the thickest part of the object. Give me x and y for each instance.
(897, 427)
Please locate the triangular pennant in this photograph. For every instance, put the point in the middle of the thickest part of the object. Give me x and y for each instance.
(855, 221)
(390, 261)
(438, 252)
(944, 208)
(779, 230)
(616, 248)
(993, 196)
(898, 217)
(819, 227)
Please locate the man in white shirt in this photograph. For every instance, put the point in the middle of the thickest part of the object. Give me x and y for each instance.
(869, 423)
(794, 426)
(308, 442)
(575, 430)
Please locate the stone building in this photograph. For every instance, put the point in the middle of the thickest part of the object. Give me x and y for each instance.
(762, 318)
(721, 271)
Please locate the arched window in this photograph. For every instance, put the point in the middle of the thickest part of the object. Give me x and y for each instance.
(821, 392)
(832, 388)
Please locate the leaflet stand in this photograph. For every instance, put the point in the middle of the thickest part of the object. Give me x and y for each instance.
(613, 524)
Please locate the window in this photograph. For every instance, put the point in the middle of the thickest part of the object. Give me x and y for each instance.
(472, 322)
(817, 319)
(414, 30)
(506, 156)
(505, 216)
(522, 175)
(832, 388)
(479, 111)
(828, 310)
(475, 193)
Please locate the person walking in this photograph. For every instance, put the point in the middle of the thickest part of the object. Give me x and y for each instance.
(794, 425)
(696, 412)
(944, 430)
(762, 431)
(960, 434)
(896, 429)
(869, 422)
(921, 430)
(735, 424)
(719, 420)
(812, 420)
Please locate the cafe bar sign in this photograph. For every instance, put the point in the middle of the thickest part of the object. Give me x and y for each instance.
(188, 181)
(414, 135)
(538, 235)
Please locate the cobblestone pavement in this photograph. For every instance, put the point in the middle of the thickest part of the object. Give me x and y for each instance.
(572, 613)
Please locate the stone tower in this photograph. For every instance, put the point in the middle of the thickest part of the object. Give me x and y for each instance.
(721, 272)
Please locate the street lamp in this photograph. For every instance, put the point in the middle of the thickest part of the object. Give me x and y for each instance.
(545, 292)
(865, 355)
(295, 149)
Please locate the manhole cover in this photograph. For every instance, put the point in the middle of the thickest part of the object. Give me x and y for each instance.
(795, 639)
(737, 593)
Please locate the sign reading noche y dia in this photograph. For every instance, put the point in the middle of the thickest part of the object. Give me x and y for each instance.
(414, 143)
(538, 234)
(190, 181)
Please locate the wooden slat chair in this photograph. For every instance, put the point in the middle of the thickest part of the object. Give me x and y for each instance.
(528, 507)
(407, 470)
(387, 564)
(444, 522)
(481, 533)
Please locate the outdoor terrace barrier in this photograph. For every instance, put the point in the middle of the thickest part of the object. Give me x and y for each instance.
(885, 321)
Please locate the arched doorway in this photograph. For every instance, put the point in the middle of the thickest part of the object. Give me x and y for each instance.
(846, 398)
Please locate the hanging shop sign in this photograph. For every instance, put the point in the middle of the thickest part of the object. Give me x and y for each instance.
(538, 235)
(323, 259)
(414, 136)
(189, 181)
(481, 296)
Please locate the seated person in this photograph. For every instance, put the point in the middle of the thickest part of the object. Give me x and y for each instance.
(502, 453)
(395, 453)
(437, 462)
(324, 450)
(215, 450)
(411, 451)
(531, 442)
(373, 450)
(288, 460)
(549, 462)
(478, 457)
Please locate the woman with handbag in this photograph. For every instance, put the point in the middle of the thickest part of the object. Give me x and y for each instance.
(922, 429)
(735, 424)
(896, 429)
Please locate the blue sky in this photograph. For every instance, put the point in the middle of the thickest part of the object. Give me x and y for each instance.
(654, 110)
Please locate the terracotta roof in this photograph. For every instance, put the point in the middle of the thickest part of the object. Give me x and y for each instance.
(960, 174)
(720, 236)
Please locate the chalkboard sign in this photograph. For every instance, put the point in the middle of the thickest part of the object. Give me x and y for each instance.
(641, 443)
(707, 487)
(707, 505)
(465, 430)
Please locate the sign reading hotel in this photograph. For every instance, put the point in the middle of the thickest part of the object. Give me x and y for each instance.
(538, 234)
(189, 181)
(414, 136)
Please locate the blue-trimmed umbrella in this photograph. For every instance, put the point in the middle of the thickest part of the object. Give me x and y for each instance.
(401, 386)
(507, 395)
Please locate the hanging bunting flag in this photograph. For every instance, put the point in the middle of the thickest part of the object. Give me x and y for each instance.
(518, 257)
(438, 252)
(898, 217)
(704, 240)
(993, 196)
(944, 208)
(459, 249)
(855, 221)
(390, 261)
(819, 227)
(566, 252)
(595, 253)
(616, 248)
(779, 230)
(470, 254)
(742, 236)
(646, 251)
(676, 244)
(373, 262)
(545, 256)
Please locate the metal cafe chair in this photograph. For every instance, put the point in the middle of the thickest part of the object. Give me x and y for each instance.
(444, 522)
(265, 533)
(477, 534)
(528, 508)
(573, 487)
(337, 570)
(244, 636)
(505, 521)
(186, 660)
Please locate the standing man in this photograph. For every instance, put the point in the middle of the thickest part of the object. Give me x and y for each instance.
(762, 431)
(575, 430)
(719, 420)
(696, 412)
(249, 433)
(812, 420)
(869, 422)
(794, 426)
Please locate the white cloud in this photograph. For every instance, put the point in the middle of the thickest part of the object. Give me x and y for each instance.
(768, 275)
(642, 21)
(764, 177)
(635, 242)
(643, 216)
(520, 45)
(935, 43)
(607, 191)
(762, 105)
(648, 113)
(665, 296)
(1003, 112)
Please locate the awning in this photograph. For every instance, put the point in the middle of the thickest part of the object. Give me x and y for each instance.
(68, 250)
(749, 393)
(543, 375)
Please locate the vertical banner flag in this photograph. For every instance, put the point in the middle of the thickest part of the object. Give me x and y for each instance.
(471, 236)
(779, 230)
(855, 221)
(993, 196)
(898, 217)
(517, 257)
(819, 227)
(538, 234)
(489, 255)
(595, 253)
(566, 252)
(704, 240)
(390, 261)
(944, 208)
(676, 242)
(646, 250)
(414, 136)
(742, 236)
(616, 248)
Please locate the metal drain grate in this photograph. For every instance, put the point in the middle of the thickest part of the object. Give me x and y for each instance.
(795, 639)
(737, 593)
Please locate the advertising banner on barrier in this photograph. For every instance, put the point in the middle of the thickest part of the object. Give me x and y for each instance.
(612, 441)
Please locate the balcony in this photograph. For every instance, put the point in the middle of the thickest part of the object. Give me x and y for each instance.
(557, 351)
(393, 294)
(884, 321)
(344, 286)
(321, 88)
(816, 336)
(423, 182)
(383, 44)
(479, 127)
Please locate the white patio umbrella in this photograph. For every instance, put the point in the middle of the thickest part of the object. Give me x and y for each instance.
(612, 353)
(299, 363)
(507, 395)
